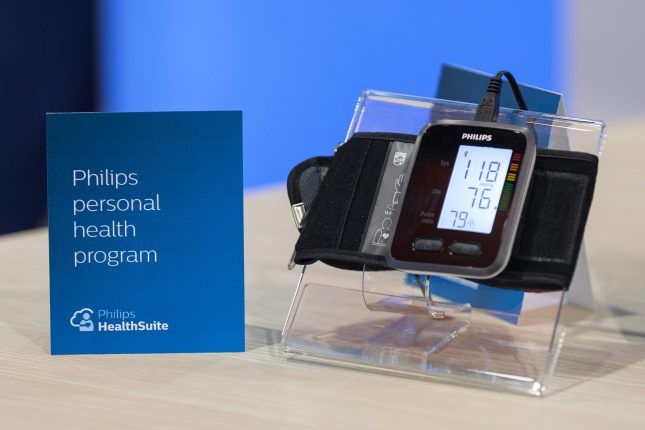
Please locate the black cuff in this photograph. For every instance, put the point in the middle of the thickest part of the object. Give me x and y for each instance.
(338, 193)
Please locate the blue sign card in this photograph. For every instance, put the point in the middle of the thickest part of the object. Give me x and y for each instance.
(145, 232)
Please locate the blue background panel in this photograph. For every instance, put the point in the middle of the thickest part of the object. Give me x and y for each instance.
(297, 68)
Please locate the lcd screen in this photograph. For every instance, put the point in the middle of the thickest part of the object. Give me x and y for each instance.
(475, 187)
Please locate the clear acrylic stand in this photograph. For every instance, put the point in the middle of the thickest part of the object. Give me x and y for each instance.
(432, 326)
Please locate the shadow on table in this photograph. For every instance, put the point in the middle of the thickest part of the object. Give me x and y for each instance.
(259, 337)
(32, 326)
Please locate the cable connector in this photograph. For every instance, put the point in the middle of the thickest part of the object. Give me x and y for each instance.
(488, 108)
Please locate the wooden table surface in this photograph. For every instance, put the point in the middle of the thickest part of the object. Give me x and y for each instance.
(599, 382)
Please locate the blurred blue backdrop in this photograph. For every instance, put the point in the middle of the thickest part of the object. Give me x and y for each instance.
(296, 68)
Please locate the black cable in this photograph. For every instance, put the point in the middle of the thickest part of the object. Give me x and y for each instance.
(488, 108)
(515, 87)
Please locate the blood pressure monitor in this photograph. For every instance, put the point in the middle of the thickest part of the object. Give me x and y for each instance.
(463, 198)
(454, 200)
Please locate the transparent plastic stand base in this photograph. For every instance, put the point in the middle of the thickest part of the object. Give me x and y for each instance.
(432, 326)
(393, 326)
(397, 331)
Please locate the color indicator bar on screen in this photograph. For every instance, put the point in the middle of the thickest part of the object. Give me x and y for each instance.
(517, 156)
(511, 177)
(505, 200)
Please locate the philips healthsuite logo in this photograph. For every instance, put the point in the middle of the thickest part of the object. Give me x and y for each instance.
(472, 136)
(82, 320)
(112, 321)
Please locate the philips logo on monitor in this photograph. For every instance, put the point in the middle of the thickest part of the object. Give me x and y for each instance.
(472, 136)
(115, 320)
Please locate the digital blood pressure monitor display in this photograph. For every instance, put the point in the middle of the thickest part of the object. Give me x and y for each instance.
(463, 199)
(476, 184)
